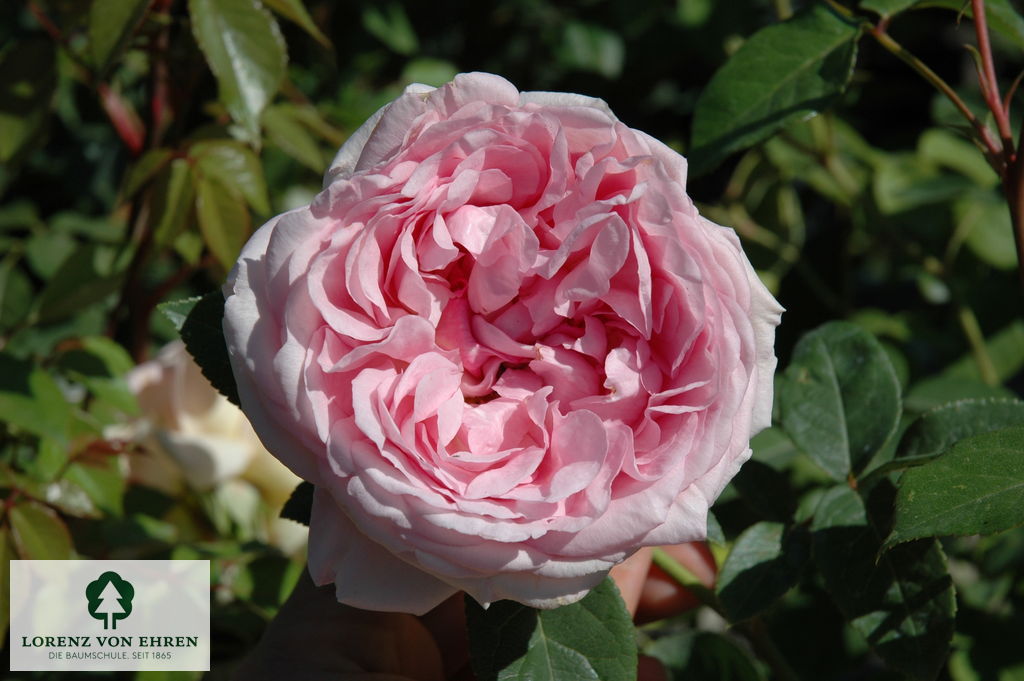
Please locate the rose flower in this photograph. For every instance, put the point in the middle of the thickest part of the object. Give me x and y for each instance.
(504, 346)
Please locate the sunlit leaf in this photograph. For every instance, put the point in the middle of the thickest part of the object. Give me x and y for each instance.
(784, 72)
(244, 48)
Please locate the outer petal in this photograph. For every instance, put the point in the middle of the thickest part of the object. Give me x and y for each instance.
(365, 574)
(249, 330)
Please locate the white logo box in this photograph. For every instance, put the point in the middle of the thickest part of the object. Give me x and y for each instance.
(159, 621)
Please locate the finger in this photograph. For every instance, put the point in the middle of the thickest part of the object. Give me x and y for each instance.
(447, 624)
(313, 637)
(650, 669)
(662, 596)
(630, 576)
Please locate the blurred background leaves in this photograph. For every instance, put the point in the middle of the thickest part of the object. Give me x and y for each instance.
(141, 142)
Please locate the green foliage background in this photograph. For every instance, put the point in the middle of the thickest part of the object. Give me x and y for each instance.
(137, 153)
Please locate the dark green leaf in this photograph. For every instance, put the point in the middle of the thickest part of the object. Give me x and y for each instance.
(204, 338)
(177, 310)
(390, 25)
(590, 639)
(88, 276)
(840, 398)
(940, 390)
(145, 169)
(903, 183)
(111, 25)
(985, 220)
(235, 166)
(784, 72)
(47, 250)
(39, 534)
(715, 532)
(902, 601)
(244, 48)
(295, 11)
(30, 399)
(703, 656)
(886, 8)
(766, 490)
(28, 79)
(15, 294)
(764, 563)
(977, 487)
(1001, 15)
(223, 220)
(299, 506)
(939, 429)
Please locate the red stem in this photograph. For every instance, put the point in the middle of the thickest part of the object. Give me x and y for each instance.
(990, 86)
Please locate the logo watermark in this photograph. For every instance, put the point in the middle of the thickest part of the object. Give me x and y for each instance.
(110, 615)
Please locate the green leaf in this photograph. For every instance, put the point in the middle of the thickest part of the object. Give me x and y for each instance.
(784, 72)
(904, 182)
(145, 169)
(977, 487)
(840, 398)
(244, 48)
(100, 365)
(30, 400)
(902, 601)
(590, 639)
(235, 166)
(764, 563)
(28, 79)
(204, 339)
(939, 429)
(15, 294)
(111, 25)
(172, 200)
(91, 274)
(590, 47)
(1006, 350)
(39, 534)
(177, 310)
(295, 11)
(953, 151)
(1001, 16)
(886, 8)
(939, 390)
(703, 656)
(223, 220)
(102, 482)
(46, 250)
(390, 25)
(766, 490)
(299, 506)
(288, 133)
(984, 219)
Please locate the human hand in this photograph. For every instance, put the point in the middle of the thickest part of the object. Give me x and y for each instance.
(315, 638)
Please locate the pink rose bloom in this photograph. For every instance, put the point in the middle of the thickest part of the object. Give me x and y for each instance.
(503, 345)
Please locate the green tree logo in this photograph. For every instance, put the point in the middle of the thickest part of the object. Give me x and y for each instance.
(110, 598)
